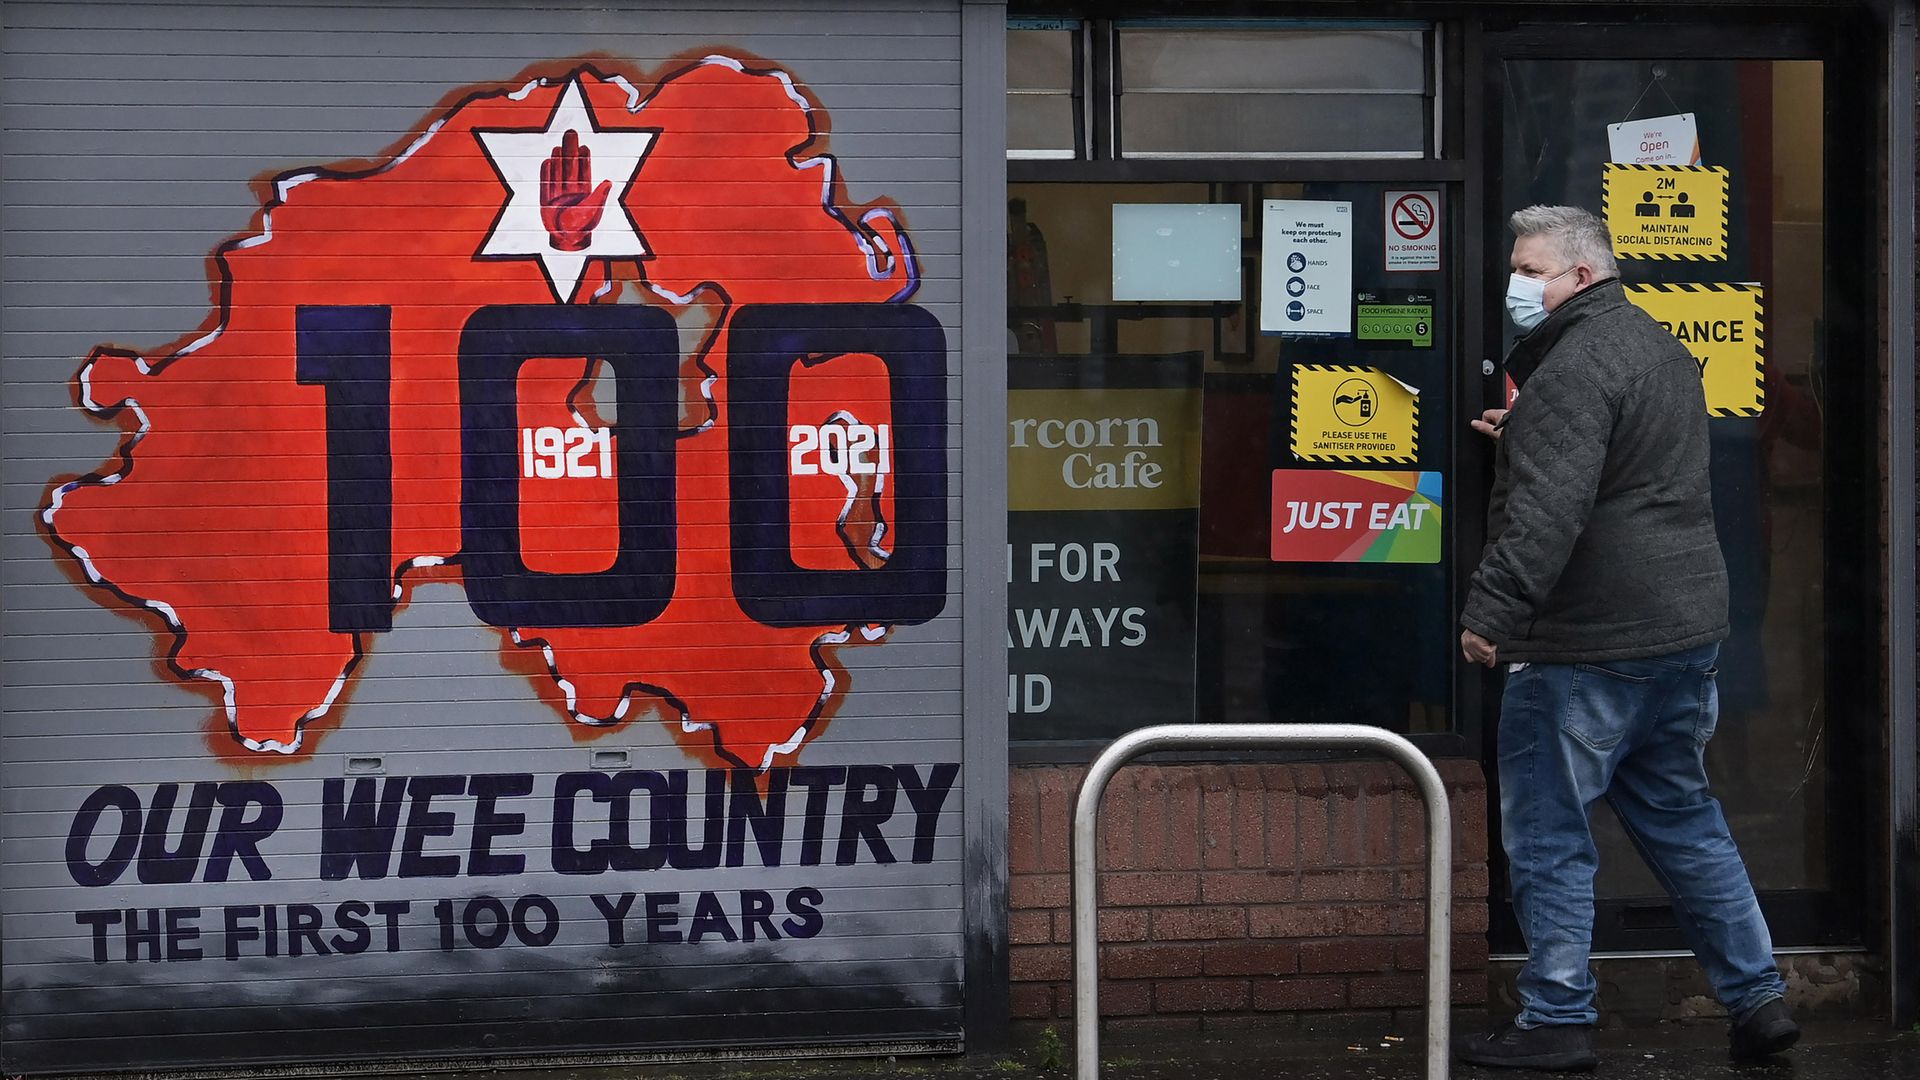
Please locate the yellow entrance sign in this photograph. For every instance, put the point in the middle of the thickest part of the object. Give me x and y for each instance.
(1344, 413)
(1666, 211)
(1721, 326)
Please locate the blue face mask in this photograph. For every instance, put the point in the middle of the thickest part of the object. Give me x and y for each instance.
(1527, 299)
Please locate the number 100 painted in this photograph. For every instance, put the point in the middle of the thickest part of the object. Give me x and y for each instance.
(347, 350)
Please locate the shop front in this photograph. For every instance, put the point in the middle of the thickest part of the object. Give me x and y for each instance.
(518, 523)
(1272, 245)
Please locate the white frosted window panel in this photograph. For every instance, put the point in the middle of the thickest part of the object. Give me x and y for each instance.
(1319, 61)
(1176, 251)
(1273, 93)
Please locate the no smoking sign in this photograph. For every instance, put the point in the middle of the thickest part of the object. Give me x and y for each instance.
(1412, 230)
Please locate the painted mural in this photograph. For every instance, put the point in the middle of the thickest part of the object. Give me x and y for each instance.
(599, 371)
(616, 354)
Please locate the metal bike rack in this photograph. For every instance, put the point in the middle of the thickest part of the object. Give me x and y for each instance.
(1086, 814)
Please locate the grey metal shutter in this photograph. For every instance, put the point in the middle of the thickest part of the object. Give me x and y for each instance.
(171, 897)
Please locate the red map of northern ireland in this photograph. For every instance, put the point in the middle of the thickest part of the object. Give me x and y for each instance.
(702, 192)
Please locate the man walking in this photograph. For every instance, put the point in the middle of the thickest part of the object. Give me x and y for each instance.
(1603, 590)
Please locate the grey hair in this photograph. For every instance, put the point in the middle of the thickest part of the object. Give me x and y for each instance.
(1575, 235)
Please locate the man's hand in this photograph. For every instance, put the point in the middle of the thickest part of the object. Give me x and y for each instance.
(1490, 423)
(1478, 650)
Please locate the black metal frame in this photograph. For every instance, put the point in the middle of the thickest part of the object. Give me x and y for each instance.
(1082, 99)
(1837, 916)
(1902, 862)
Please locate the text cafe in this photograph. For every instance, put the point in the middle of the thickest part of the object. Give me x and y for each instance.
(542, 534)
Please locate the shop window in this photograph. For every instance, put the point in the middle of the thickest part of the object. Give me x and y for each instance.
(1043, 89)
(1151, 424)
(1325, 93)
(1170, 558)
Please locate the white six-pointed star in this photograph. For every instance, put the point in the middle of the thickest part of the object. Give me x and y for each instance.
(567, 187)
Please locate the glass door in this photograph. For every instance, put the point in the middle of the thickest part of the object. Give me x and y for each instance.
(1724, 164)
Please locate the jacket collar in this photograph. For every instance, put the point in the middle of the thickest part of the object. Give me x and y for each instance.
(1596, 299)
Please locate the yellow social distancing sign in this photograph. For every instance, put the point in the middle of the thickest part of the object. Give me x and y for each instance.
(1721, 326)
(1666, 211)
(1351, 414)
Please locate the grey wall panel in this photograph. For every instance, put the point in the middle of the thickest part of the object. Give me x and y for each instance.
(984, 126)
(169, 896)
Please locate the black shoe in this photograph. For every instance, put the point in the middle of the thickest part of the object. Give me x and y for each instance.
(1766, 1031)
(1552, 1048)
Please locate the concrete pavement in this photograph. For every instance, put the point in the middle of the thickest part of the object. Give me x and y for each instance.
(1693, 1051)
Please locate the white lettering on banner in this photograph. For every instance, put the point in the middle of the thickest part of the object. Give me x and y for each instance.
(1029, 693)
(1380, 516)
(1087, 470)
(1402, 515)
(1048, 628)
(1133, 471)
(1073, 562)
(1053, 434)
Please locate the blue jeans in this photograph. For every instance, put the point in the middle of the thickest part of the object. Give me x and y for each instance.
(1635, 732)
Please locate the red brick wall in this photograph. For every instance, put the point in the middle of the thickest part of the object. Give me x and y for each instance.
(1243, 889)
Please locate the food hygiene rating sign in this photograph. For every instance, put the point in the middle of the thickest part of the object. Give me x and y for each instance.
(1721, 326)
(1346, 413)
(1666, 211)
